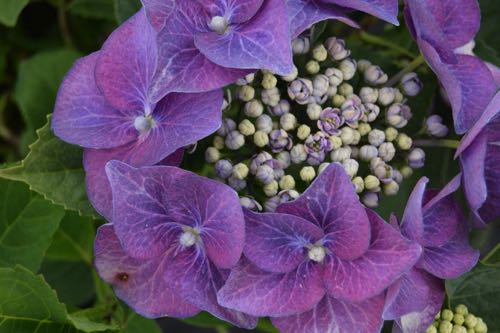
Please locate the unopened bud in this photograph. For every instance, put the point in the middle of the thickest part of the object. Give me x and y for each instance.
(359, 184)
(376, 137)
(235, 140)
(223, 169)
(372, 183)
(458, 319)
(335, 76)
(312, 67)
(300, 90)
(307, 174)
(480, 326)
(218, 142)
(363, 64)
(458, 329)
(320, 85)
(386, 96)
(347, 135)
(287, 183)
(351, 167)
(301, 45)
(265, 174)
(348, 67)
(370, 199)
(411, 84)
(470, 320)
(212, 155)
(246, 80)
(445, 326)
(253, 108)
(368, 95)
(386, 151)
(338, 100)
(246, 93)
(246, 127)
(251, 204)
(260, 139)
(271, 96)
(264, 123)
(319, 53)
(281, 108)
(269, 81)
(364, 128)
(322, 167)
(391, 134)
(237, 184)
(240, 171)
(314, 111)
(303, 132)
(345, 89)
(292, 76)
(404, 141)
(341, 154)
(406, 171)
(336, 49)
(375, 75)
(416, 158)
(435, 127)
(398, 97)
(367, 152)
(398, 115)
(288, 122)
(271, 188)
(284, 158)
(298, 154)
(391, 188)
(335, 142)
(227, 126)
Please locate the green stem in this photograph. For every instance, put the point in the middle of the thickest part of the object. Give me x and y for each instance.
(409, 68)
(376, 40)
(221, 329)
(451, 144)
(63, 23)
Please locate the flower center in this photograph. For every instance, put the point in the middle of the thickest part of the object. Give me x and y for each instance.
(189, 237)
(218, 24)
(317, 253)
(143, 123)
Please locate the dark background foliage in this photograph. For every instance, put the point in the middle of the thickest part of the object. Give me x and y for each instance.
(47, 225)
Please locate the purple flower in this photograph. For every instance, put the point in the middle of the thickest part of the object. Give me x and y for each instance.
(279, 140)
(434, 220)
(330, 120)
(316, 146)
(300, 90)
(179, 234)
(352, 110)
(205, 45)
(320, 263)
(439, 28)
(480, 156)
(304, 13)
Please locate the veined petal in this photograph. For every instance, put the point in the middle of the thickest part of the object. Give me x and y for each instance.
(387, 10)
(243, 10)
(157, 11)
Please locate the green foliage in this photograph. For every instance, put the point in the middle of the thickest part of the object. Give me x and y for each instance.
(136, 323)
(94, 9)
(54, 169)
(479, 290)
(488, 38)
(27, 224)
(126, 8)
(492, 258)
(10, 10)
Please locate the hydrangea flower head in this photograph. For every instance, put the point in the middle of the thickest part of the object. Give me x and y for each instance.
(435, 221)
(319, 263)
(207, 44)
(179, 232)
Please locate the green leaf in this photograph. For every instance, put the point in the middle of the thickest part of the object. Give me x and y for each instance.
(38, 81)
(27, 224)
(205, 319)
(93, 9)
(54, 169)
(126, 8)
(74, 239)
(479, 290)
(10, 10)
(488, 38)
(136, 323)
(492, 258)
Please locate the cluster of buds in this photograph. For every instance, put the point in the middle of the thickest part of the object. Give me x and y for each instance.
(281, 132)
(459, 321)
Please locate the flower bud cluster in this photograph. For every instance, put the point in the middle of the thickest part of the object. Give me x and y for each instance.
(458, 321)
(286, 130)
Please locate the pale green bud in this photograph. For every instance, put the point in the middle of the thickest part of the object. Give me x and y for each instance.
(386, 96)
(470, 330)
(470, 320)
(240, 171)
(312, 67)
(260, 139)
(253, 108)
(461, 309)
(288, 121)
(212, 155)
(480, 326)
(234, 140)
(406, 171)
(285, 158)
(218, 142)
(386, 151)
(458, 319)
(392, 188)
(368, 95)
(320, 53)
(356, 137)
(391, 134)
(298, 154)
(359, 184)
(341, 154)
(347, 135)
(314, 111)
(404, 141)
(445, 326)
(458, 329)
(363, 64)
(351, 167)
(269, 81)
(372, 183)
(246, 127)
(348, 68)
(447, 314)
(246, 93)
(307, 174)
(364, 128)
(431, 329)
(292, 76)
(398, 96)
(287, 183)
(303, 132)
(322, 167)
(271, 189)
(345, 89)
(336, 142)
(271, 96)
(246, 80)
(338, 100)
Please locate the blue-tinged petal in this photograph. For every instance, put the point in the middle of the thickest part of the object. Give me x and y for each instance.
(277, 242)
(139, 283)
(261, 42)
(390, 256)
(82, 115)
(332, 204)
(334, 316)
(127, 64)
(252, 290)
(387, 10)
(157, 11)
(412, 224)
(243, 10)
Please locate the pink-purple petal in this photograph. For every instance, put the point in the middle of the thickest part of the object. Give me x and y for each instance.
(277, 242)
(332, 204)
(243, 10)
(158, 11)
(387, 10)
(412, 224)
(390, 255)
(259, 293)
(82, 115)
(139, 283)
(333, 316)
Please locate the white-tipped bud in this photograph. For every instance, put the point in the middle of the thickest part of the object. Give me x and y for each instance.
(218, 142)
(335, 76)
(364, 128)
(223, 169)
(386, 151)
(212, 155)
(336, 49)
(391, 134)
(347, 135)
(284, 158)
(320, 85)
(368, 95)
(298, 154)
(281, 108)
(335, 142)
(269, 81)
(404, 142)
(292, 76)
(341, 154)
(271, 96)
(307, 174)
(253, 108)
(219, 24)
(271, 189)
(316, 253)
(288, 122)
(359, 184)
(235, 140)
(265, 174)
(411, 84)
(375, 75)
(264, 123)
(345, 89)
(372, 183)
(348, 67)
(246, 93)
(363, 64)
(351, 167)
(367, 152)
(314, 111)
(391, 188)
(406, 171)
(376, 137)
(301, 45)
(319, 53)
(312, 67)
(228, 125)
(370, 199)
(303, 132)
(287, 183)
(386, 96)
(260, 139)
(338, 100)
(240, 171)
(246, 127)
(416, 158)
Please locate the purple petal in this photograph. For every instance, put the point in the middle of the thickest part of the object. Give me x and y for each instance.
(413, 292)
(157, 11)
(198, 281)
(387, 10)
(262, 42)
(468, 83)
(277, 242)
(332, 316)
(389, 256)
(139, 283)
(244, 10)
(304, 13)
(82, 115)
(495, 71)
(259, 293)
(127, 63)
(472, 161)
(331, 203)
(412, 224)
